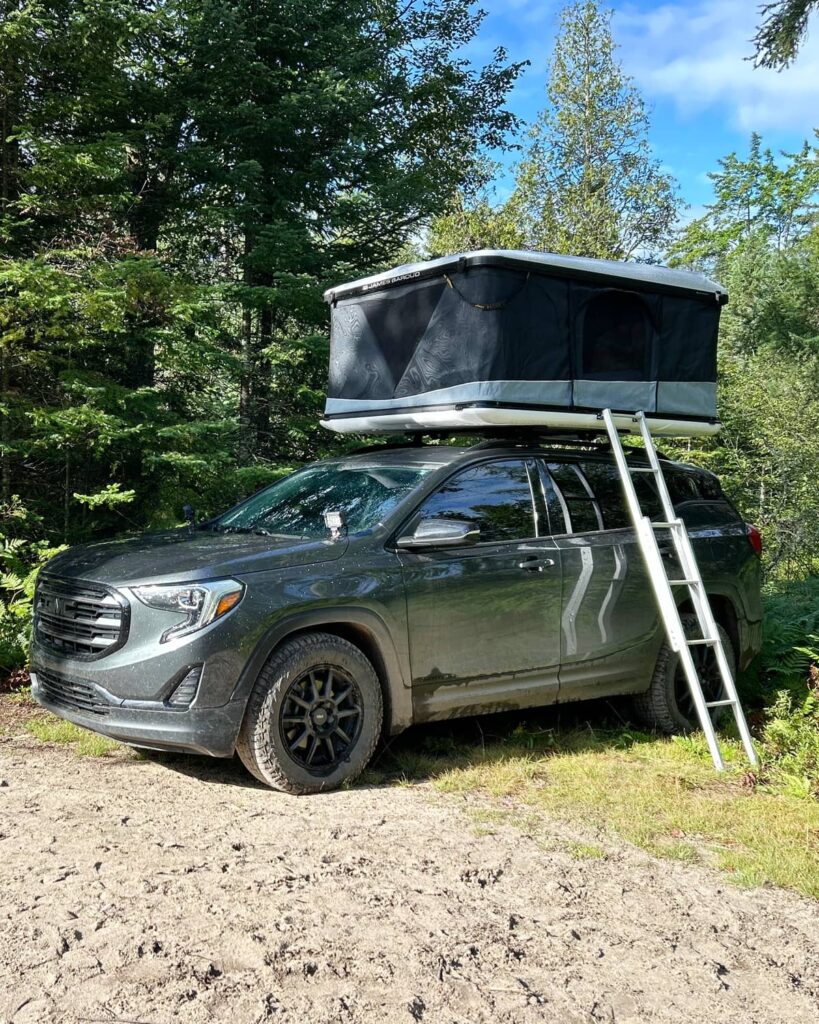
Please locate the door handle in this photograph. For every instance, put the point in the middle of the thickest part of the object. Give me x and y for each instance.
(535, 564)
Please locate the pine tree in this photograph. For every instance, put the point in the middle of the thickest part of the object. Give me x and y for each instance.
(589, 184)
(781, 31)
(775, 201)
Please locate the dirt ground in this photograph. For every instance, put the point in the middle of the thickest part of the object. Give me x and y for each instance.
(138, 892)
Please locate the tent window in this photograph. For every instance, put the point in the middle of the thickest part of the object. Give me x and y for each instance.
(616, 334)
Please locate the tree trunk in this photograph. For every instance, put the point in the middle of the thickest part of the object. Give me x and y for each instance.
(263, 382)
(67, 495)
(5, 429)
(247, 425)
(254, 387)
(10, 98)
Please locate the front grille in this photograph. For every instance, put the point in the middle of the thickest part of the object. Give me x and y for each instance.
(70, 693)
(79, 619)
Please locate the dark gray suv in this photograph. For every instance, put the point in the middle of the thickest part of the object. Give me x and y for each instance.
(366, 593)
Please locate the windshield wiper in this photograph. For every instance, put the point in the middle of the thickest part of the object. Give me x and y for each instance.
(259, 531)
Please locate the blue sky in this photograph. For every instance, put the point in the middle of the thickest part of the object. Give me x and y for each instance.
(687, 58)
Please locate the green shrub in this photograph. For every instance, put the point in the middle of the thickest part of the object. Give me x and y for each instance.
(791, 618)
(20, 562)
(790, 744)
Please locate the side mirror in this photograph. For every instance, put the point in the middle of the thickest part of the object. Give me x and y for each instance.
(440, 533)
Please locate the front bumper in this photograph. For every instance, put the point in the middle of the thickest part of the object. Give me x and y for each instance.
(200, 730)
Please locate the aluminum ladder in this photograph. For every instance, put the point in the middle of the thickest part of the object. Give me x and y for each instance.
(664, 593)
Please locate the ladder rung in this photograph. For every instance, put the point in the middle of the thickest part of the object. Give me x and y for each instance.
(641, 469)
(685, 583)
(664, 526)
(719, 703)
(703, 641)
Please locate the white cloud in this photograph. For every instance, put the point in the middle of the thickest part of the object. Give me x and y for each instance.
(695, 54)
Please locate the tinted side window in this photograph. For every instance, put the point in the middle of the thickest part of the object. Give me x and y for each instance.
(608, 490)
(583, 511)
(495, 497)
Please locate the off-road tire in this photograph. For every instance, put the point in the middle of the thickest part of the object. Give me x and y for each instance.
(659, 707)
(261, 745)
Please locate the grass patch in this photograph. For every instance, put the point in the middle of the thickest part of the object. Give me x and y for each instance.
(661, 794)
(21, 696)
(83, 742)
(586, 851)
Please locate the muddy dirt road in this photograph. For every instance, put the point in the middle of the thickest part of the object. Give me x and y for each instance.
(135, 891)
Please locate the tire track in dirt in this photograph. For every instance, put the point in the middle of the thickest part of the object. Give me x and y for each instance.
(184, 891)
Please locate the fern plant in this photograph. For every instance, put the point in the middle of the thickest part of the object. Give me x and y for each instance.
(791, 624)
(790, 743)
(20, 562)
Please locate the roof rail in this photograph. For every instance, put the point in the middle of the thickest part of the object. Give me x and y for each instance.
(414, 441)
(511, 438)
(558, 441)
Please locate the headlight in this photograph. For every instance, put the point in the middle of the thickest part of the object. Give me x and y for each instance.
(200, 603)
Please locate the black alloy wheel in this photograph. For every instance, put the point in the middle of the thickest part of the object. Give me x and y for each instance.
(667, 704)
(314, 716)
(320, 718)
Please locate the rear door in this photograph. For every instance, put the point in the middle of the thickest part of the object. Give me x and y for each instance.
(609, 622)
(484, 620)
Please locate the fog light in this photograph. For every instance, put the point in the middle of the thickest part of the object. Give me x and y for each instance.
(186, 691)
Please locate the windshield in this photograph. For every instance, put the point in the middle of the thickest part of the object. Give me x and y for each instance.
(295, 506)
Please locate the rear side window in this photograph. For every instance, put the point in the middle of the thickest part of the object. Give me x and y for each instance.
(584, 514)
(495, 497)
(608, 489)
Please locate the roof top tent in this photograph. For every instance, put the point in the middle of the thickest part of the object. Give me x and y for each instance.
(498, 338)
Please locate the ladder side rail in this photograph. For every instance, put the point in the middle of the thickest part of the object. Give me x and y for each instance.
(685, 556)
(633, 502)
(669, 512)
(647, 540)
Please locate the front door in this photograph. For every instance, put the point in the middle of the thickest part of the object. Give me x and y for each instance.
(484, 620)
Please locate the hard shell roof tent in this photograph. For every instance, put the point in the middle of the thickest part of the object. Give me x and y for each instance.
(500, 338)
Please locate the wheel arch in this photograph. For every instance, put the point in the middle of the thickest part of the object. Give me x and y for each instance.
(725, 614)
(364, 630)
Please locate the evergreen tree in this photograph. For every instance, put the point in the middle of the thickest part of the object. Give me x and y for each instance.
(180, 179)
(781, 31)
(776, 202)
(589, 184)
(334, 132)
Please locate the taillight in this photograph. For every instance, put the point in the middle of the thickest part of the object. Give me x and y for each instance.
(754, 538)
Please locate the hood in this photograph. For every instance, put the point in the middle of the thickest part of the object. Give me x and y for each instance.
(176, 556)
